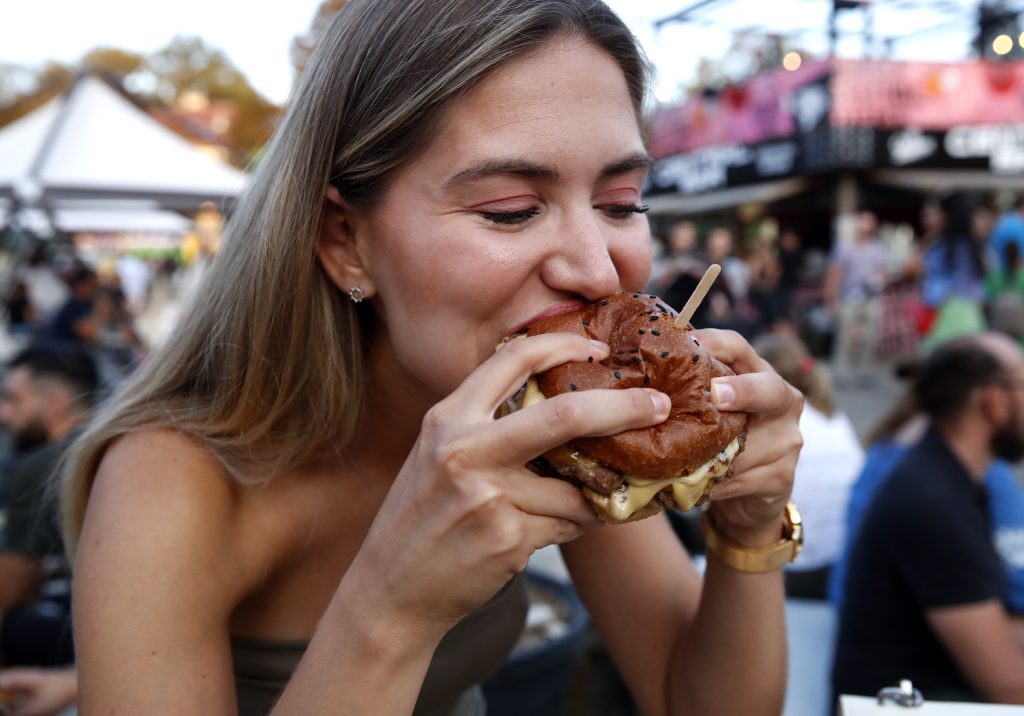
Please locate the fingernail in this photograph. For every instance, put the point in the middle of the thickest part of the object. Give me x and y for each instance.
(601, 346)
(722, 393)
(662, 404)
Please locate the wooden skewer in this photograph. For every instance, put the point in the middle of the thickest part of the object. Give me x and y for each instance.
(698, 295)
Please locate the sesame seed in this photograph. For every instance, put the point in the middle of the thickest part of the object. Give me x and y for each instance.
(655, 332)
(617, 375)
(604, 303)
(696, 343)
(696, 357)
(646, 380)
(664, 354)
(636, 295)
(590, 359)
(642, 331)
(572, 386)
(636, 360)
(654, 318)
(586, 322)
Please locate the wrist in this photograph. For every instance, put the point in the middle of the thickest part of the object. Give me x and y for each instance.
(754, 549)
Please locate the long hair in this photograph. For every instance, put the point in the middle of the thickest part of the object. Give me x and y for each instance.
(791, 360)
(266, 367)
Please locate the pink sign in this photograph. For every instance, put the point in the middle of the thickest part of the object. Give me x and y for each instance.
(922, 95)
(763, 108)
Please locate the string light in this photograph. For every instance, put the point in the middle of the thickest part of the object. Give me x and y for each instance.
(1002, 44)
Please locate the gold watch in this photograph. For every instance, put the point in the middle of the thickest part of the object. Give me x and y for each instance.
(756, 559)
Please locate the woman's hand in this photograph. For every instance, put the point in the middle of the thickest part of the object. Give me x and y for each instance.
(464, 514)
(40, 692)
(748, 506)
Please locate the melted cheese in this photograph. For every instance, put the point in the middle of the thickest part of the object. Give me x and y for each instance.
(636, 492)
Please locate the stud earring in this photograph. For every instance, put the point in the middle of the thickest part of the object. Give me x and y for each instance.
(356, 294)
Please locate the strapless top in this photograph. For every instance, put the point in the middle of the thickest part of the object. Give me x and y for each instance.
(469, 652)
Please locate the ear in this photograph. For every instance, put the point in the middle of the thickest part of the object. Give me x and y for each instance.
(340, 244)
(995, 403)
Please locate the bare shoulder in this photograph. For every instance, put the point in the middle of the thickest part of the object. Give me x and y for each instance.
(159, 498)
(157, 576)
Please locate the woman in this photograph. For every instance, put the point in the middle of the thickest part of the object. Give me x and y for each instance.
(828, 465)
(313, 457)
(954, 274)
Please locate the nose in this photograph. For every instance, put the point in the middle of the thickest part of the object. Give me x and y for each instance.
(582, 260)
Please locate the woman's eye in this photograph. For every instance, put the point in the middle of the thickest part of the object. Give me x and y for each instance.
(510, 217)
(623, 211)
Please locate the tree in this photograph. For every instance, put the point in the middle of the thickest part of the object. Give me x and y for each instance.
(24, 90)
(113, 63)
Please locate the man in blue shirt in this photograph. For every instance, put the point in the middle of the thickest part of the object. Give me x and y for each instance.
(924, 586)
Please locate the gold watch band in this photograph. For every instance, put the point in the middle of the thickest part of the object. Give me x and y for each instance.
(756, 559)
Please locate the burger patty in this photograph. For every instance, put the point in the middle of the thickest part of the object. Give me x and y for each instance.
(604, 479)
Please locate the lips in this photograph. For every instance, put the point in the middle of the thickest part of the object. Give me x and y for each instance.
(555, 309)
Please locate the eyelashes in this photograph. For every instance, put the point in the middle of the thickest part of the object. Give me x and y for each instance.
(623, 211)
(511, 218)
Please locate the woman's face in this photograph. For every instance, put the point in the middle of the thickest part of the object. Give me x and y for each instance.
(522, 205)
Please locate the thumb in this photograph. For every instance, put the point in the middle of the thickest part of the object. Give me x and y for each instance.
(765, 393)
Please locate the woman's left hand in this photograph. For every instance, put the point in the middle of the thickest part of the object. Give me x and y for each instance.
(748, 506)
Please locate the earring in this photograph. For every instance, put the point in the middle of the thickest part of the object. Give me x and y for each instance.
(356, 294)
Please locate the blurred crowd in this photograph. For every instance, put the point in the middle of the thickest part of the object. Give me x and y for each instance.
(946, 312)
(73, 331)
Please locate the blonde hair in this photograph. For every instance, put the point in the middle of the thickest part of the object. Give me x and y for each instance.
(791, 360)
(266, 366)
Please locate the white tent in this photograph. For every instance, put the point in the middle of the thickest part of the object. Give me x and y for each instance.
(92, 143)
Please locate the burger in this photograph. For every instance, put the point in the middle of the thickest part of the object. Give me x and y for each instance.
(638, 473)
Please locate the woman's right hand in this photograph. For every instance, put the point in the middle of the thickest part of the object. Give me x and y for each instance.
(464, 514)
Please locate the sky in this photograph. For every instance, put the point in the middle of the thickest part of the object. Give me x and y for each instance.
(257, 36)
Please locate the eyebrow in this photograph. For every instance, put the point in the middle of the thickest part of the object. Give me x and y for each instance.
(513, 166)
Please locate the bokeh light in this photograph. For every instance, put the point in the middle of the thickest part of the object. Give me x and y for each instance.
(1002, 44)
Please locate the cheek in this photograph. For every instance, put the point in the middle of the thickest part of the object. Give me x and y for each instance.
(633, 261)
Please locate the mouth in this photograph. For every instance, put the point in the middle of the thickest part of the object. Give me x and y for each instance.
(555, 309)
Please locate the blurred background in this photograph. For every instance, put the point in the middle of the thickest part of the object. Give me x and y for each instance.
(829, 154)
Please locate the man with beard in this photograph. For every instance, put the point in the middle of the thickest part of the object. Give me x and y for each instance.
(46, 394)
(924, 581)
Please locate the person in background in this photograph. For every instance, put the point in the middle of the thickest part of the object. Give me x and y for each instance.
(826, 469)
(923, 592)
(952, 284)
(954, 264)
(303, 503)
(1009, 230)
(791, 261)
(46, 291)
(683, 271)
(857, 274)
(82, 318)
(47, 394)
(887, 443)
(721, 249)
(20, 315)
(765, 271)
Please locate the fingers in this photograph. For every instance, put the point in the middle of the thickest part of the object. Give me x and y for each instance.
(765, 394)
(525, 434)
(501, 375)
(732, 349)
(550, 497)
